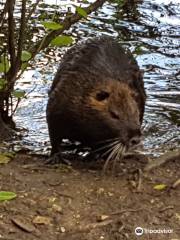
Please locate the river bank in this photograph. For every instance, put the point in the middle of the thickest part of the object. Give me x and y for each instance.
(77, 202)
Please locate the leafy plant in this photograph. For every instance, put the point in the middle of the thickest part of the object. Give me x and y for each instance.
(20, 43)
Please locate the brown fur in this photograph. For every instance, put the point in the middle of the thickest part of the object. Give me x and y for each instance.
(121, 101)
(97, 94)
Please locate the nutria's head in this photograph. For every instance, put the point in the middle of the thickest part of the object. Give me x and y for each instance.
(113, 115)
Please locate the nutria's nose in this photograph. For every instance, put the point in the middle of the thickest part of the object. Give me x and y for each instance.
(134, 141)
(134, 137)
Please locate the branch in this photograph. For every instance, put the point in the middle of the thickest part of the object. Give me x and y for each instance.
(67, 23)
(21, 34)
(16, 60)
(32, 10)
(169, 156)
(11, 37)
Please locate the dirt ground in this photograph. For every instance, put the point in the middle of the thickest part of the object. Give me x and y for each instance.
(78, 202)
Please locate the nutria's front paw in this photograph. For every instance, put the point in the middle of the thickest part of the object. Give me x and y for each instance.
(57, 158)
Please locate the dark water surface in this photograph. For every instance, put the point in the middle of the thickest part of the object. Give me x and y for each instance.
(152, 31)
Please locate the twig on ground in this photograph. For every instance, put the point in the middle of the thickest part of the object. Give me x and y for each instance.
(125, 211)
(166, 208)
(106, 222)
(169, 156)
(139, 185)
(176, 183)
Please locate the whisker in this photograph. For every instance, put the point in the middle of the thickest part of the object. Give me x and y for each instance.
(118, 155)
(112, 151)
(107, 140)
(105, 146)
(111, 155)
(109, 150)
(125, 149)
(122, 151)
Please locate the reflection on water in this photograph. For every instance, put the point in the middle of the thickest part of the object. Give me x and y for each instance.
(153, 27)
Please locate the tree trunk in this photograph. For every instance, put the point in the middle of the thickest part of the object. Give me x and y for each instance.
(6, 131)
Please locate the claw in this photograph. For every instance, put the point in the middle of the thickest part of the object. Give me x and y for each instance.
(57, 158)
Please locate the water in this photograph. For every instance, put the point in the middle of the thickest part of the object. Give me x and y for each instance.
(151, 29)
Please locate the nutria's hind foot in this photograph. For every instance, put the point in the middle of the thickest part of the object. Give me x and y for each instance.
(57, 158)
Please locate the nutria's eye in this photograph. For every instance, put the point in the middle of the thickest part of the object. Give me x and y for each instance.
(100, 96)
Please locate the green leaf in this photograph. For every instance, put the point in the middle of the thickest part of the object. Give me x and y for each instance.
(52, 25)
(61, 41)
(1, 67)
(4, 64)
(81, 12)
(3, 83)
(18, 93)
(138, 50)
(25, 56)
(7, 195)
(24, 65)
(160, 187)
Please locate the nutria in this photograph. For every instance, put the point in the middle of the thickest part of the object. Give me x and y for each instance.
(97, 96)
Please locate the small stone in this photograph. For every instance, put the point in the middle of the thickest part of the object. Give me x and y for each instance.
(42, 220)
(152, 201)
(23, 224)
(100, 190)
(155, 220)
(62, 229)
(177, 216)
(52, 199)
(102, 218)
(110, 194)
(133, 184)
(57, 208)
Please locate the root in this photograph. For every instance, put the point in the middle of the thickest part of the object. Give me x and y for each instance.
(169, 156)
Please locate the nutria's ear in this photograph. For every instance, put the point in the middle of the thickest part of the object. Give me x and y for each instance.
(102, 95)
